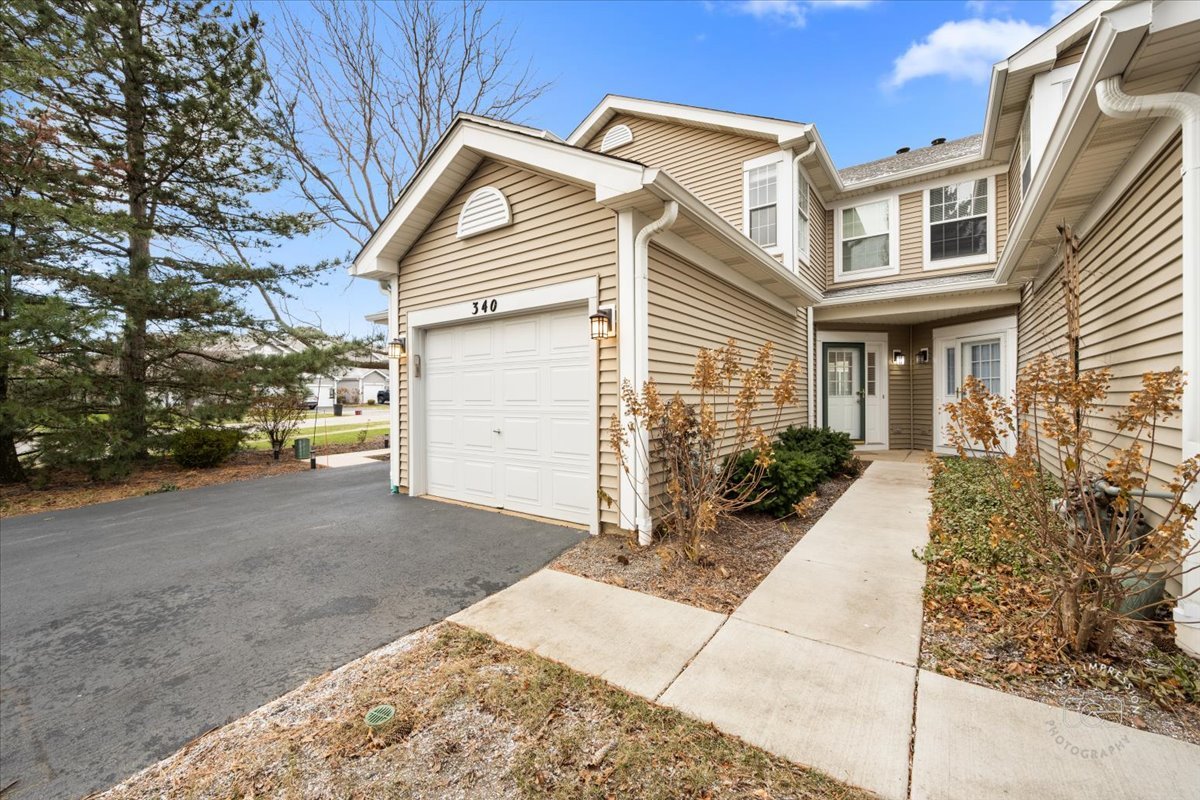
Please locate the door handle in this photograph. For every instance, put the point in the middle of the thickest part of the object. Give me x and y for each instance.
(495, 430)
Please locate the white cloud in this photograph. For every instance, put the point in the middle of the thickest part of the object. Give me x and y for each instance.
(962, 50)
(792, 13)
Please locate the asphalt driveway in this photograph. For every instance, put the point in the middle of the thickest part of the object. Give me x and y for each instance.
(127, 629)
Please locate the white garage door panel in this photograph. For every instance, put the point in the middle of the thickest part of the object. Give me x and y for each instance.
(509, 407)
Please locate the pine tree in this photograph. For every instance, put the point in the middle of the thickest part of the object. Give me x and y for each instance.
(155, 108)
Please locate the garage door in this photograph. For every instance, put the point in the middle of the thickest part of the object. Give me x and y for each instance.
(508, 411)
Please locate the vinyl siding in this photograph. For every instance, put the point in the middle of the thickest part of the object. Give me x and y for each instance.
(558, 234)
(912, 239)
(818, 232)
(1131, 289)
(708, 163)
(690, 309)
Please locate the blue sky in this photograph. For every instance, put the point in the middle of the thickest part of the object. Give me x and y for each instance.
(873, 76)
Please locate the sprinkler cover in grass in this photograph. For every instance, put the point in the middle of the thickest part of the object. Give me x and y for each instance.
(380, 715)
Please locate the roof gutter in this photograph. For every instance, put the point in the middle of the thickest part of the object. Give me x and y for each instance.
(1113, 45)
(1185, 108)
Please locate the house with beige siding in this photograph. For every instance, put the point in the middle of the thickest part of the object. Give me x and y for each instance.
(528, 276)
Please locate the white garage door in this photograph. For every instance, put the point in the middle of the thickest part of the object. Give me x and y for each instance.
(509, 414)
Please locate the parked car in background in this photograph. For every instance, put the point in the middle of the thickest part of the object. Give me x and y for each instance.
(383, 396)
(310, 402)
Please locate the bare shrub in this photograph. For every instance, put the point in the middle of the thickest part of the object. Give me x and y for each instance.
(1095, 543)
(691, 440)
(277, 415)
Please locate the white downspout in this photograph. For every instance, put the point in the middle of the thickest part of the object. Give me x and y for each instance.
(811, 394)
(641, 359)
(1184, 107)
(391, 290)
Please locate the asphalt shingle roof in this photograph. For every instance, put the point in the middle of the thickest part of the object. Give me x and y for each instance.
(913, 159)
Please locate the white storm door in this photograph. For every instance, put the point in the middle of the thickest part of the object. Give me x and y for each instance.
(843, 389)
(987, 355)
(508, 413)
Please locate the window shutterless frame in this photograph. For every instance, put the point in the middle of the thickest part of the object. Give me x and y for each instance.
(754, 202)
(840, 274)
(987, 257)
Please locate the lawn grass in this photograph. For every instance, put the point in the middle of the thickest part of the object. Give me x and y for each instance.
(340, 435)
(474, 718)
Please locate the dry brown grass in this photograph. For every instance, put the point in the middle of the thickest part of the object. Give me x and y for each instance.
(734, 559)
(478, 719)
(75, 489)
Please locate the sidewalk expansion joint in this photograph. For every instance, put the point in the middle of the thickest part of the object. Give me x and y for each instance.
(688, 663)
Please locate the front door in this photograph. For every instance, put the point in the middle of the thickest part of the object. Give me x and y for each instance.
(987, 355)
(844, 405)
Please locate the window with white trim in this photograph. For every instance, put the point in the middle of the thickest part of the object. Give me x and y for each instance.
(1026, 144)
(958, 221)
(866, 242)
(802, 216)
(763, 204)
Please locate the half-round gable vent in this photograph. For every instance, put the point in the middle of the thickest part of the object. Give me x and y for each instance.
(617, 136)
(485, 210)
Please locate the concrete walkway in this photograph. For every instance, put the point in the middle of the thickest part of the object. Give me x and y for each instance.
(351, 459)
(819, 665)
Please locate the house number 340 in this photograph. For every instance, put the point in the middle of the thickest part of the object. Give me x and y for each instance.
(483, 306)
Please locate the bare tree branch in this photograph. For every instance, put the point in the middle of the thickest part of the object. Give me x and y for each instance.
(361, 92)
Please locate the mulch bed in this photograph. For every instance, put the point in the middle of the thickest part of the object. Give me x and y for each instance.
(70, 489)
(1003, 641)
(474, 719)
(987, 621)
(736, 559)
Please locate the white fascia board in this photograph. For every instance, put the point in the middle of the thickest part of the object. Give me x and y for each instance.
(995, 104)
(780, 130)
(1113, 45)
(965, 303)
(970, 283)
(474, 141)
(712, 222)
(1043, 51)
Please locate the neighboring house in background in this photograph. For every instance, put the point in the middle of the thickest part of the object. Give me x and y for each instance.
(893, 280)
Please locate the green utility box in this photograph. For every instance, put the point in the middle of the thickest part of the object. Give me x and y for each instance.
(303, 448)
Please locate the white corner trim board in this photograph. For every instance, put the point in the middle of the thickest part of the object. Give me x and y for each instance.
(617, 136)
(485, 210)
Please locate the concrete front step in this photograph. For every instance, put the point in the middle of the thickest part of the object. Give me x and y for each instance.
(975, 742)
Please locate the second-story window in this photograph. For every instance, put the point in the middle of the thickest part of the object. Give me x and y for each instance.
(762, 204)
(866, 237)
(958, 221)
(1026, 149)
(802, 212)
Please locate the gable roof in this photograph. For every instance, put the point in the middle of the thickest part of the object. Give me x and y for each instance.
(780, 130)
(618, 183)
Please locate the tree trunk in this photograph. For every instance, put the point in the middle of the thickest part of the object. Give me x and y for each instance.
(132, 394)
(11, 470)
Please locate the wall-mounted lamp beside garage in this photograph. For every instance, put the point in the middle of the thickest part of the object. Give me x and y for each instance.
(602, 323)
(398, 347)
(898, 358)
(923, 355)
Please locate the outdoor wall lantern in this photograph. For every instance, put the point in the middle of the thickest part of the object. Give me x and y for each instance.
(398, 347)
(602, 323)
(898, 358)
(923, 355)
